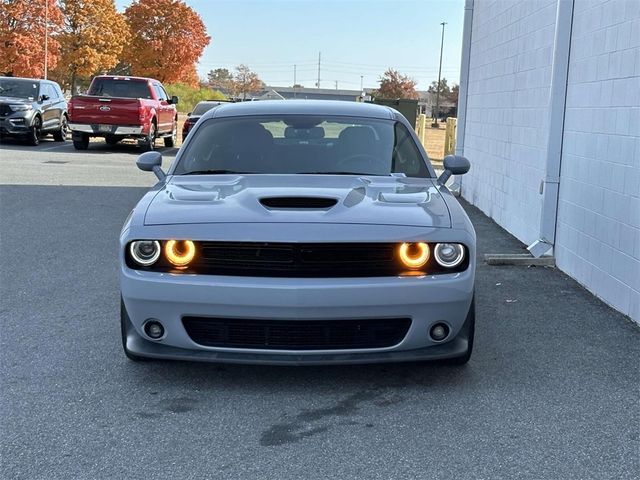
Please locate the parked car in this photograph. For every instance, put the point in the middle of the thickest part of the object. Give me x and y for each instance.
(299, 232)
(31, 108)
(124, 107)
(200, 109)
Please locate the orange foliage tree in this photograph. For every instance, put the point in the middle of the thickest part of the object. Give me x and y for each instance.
(22, 34)
(92, 39)
(395, 85)
(167, 39)
(245, 81)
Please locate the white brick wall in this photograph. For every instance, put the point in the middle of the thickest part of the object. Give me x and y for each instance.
(505, 136)
(598, 228)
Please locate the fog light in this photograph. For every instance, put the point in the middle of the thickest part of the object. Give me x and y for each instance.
(439, 332)
(154, 329)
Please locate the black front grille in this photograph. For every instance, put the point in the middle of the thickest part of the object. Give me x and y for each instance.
(296, 334)
(4, 110)
(297, 260)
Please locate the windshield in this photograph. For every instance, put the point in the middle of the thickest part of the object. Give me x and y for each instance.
(12, 87)
(123, 88)
(291, 144)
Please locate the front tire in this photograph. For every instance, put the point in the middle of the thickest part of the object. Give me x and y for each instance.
(171, 141)
(61, 134)
(124, 323)
(470, 326)
(35, 132)
(80, 141)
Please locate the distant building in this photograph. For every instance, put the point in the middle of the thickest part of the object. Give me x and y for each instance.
(289, 93)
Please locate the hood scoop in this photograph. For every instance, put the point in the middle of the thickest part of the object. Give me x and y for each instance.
(298, 203)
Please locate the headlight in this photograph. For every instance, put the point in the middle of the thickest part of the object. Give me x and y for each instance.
(449, 255)
(414, 255)
(179, 252)
(145, 252)
(20, 107)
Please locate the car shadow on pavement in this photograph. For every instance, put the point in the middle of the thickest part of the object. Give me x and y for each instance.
(97, 146)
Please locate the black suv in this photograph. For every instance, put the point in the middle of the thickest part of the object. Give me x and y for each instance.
(31, 108)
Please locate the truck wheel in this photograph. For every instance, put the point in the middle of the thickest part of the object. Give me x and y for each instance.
(60, 135)
(149, 142)
(35, 132)
(80, 141)
(171, 141)
(112, 140)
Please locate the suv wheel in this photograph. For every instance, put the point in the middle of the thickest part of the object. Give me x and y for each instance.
(35, 133)
(61, 134)
(149, 142)
(80, 141)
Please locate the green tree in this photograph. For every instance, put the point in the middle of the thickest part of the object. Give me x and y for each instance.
(221, 79)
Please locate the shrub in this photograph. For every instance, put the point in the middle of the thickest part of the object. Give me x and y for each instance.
(189, 96)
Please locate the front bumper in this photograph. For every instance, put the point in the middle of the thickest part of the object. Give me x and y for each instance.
(169, 297)
(105, 129)
(16, 124)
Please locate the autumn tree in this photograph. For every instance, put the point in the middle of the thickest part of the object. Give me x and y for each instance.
(395, 85)
(245, 81)
(22, 34)
(92, 39)
(221, 79)
(167, 39)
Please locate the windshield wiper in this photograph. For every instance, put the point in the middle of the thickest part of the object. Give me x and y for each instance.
(216, 172)
(335, 173)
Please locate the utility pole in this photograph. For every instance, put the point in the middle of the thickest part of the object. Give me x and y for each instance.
(294, 81)
(336, 84)
(435, 120)
(46, 37)
(361, 79)
(319, 57)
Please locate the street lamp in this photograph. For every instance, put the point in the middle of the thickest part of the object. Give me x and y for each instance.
(435, 120)
(46, 37)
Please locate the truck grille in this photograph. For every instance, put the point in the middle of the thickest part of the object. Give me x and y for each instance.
(296, 334)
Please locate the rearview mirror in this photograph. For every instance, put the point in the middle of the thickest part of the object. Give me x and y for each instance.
(453, 165)
(174, 100)
(151, 162)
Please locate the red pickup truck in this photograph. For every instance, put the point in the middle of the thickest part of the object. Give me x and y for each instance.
(123, 107)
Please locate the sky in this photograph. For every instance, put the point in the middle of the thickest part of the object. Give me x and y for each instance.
(355, 37)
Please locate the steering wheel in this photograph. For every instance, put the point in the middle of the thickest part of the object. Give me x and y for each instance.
(358, 162)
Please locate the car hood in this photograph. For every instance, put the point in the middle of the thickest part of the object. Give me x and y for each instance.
(298, 199)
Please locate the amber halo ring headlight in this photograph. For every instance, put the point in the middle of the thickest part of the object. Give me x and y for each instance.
(179, 253)
(449, 255)
(414, 255)
(145, 252)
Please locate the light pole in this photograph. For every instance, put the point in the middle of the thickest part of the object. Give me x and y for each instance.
(435, 120)
(294, 80)
(46, 37)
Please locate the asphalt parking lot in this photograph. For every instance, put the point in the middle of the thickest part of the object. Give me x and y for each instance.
(551, 392)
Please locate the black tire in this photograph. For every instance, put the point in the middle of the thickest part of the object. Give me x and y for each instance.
(112, 140)
(470, 325)
(61, 134)
(80, 141)
(171, 141)
(35, 132)
(124, 322)
(149, 143)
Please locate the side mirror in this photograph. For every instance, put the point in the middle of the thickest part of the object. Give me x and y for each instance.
(174, 100)
(453, 165)
(151, 162)
(189, 114)
(44, 98)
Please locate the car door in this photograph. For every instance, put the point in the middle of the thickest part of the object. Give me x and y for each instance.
(165, 119)
(50, 115)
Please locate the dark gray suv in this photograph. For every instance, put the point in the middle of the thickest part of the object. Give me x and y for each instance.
(31, 108)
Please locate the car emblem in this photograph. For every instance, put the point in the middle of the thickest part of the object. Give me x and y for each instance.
(104, 108)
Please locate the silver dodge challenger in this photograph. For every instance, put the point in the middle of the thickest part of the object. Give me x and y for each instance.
(299, 232)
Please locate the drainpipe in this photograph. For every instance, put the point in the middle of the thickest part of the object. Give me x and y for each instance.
(456, 187)
(550, 185)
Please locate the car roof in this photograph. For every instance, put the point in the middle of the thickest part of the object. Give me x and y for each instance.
(128, 77)
(301, 107)
(28, 79)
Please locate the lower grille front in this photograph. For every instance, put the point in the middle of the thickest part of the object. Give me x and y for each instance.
(296, 334)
